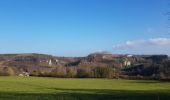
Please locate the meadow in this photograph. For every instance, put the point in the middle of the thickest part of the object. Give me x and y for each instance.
(37, 88)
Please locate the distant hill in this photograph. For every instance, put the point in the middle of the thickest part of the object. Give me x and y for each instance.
(131, 65)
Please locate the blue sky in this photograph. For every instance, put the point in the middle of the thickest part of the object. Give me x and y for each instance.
(80, 27)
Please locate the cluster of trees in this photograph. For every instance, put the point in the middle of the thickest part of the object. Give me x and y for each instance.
(100, 71)
(149, 71)
(164, 70)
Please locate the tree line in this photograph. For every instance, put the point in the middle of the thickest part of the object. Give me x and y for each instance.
(142, 71)
(101, 71)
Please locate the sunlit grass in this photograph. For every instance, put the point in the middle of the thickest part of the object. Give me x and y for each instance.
(34, 87)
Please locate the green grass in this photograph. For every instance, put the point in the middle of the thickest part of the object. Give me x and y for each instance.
(34, 88)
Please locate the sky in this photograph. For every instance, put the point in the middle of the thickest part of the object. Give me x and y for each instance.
(81, 27)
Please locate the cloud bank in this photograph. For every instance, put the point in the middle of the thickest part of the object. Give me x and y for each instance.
(140, 43)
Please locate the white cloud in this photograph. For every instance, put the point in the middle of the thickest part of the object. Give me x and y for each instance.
(160, 41)
(139, 43)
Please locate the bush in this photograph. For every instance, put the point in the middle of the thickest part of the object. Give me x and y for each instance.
(103, 72)
(59, 71)
(71, 72)
(7, 71)
(83, 72)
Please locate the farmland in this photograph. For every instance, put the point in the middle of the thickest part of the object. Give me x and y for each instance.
(37, 88)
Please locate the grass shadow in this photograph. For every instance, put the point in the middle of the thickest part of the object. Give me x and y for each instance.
(88, 94)
(150, 81)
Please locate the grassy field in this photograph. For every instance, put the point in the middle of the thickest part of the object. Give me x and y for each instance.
(34, 88)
